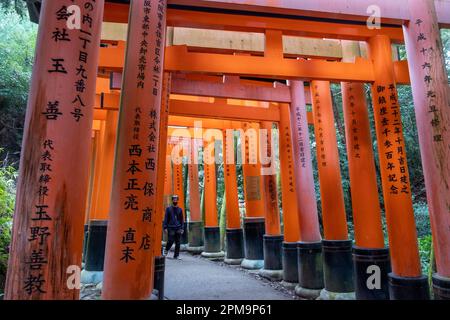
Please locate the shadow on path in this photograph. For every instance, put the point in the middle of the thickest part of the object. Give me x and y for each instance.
(195, 278)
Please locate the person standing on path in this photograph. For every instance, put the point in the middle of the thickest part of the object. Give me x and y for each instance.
(174, 225)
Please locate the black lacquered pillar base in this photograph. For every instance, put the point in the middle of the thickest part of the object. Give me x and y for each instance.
(195, 237)
(95, 252)
(273, 263)
(158, 277)
(212, 249)
(290, 265)
(254, 229)
(441, 287)
(402, 288)
(310, 269)
(371, 273)
(338, 270)
(235, 246)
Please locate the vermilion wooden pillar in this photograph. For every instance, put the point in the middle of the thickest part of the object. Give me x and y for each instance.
(168, 174)
(432, 100)
(363, 180)
(405, 280)
(98, 166)
(337, 258)
(178, 185)
(93, 156)
(106, 169)
(234, 232)
(289, 197)
(53, 181)
(272, 211)
(369, 237)
(164, 185)
(230, 179)
(289, 194)
(194, 193)
(272, 240)
(309, 249)
(211, 217)
(369, 247)
(251, 167)
(160, 261)
(97, 225)
(304, 179)
(212, 248)
(168, 185)
(91, 174)
(129, 256)
(195, 224)
(333, 208)
(254, 198)
(179, 190)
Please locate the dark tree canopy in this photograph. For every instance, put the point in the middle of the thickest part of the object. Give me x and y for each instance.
(19, 6)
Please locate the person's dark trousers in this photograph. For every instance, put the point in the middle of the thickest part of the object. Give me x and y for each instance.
(174, 236)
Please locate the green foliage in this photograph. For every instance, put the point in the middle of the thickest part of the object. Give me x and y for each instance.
(7, 198)
(445, 35)
(422, 219)
(17, 41)
(425, 251)
(19, 6)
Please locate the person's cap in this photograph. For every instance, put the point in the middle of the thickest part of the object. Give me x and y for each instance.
(174, 197)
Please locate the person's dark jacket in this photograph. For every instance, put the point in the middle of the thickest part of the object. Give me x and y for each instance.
(173, 218)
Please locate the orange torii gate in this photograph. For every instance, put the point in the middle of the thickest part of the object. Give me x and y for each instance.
(63, 196)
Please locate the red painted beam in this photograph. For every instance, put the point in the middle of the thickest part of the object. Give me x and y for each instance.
(179, 59)
(395, 12)
(195, 109)
(292, 27)
(223, 21)
(221, 90)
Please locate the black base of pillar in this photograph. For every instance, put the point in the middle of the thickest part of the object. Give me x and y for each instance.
(195, 234)
(212, 239)
(310, 265)
(441, 287)
(185, 236)
(371, 284)
(254, 229)
(158, 277)
(402, 288)
(96, 243)
(235, 244)
(86, 229)
(290, 265)
(272, 252)
(338, 266)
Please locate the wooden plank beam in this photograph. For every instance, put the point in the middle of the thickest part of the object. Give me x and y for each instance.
(223, 41)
